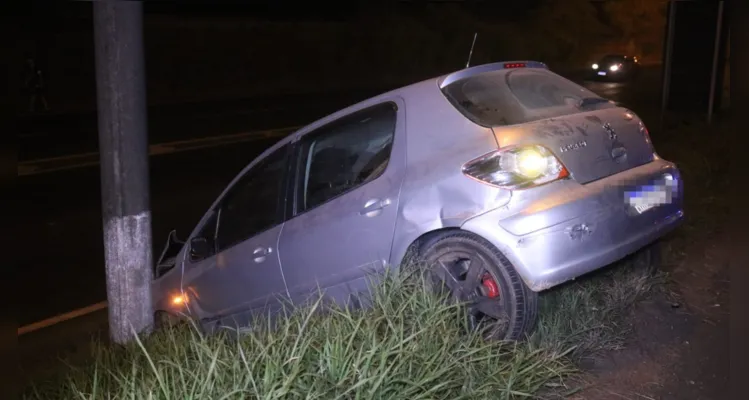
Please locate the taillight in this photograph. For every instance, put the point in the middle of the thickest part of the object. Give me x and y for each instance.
(516, 167)
(645, 133)
(515, 65)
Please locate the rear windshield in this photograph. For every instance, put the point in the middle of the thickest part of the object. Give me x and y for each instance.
(516, 96)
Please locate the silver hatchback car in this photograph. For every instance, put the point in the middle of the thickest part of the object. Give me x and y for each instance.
(502, 179)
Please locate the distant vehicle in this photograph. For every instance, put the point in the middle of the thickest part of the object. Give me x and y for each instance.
(616, 67)
(499, 180)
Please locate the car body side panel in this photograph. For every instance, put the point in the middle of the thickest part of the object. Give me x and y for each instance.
(338, 242)
(435, 193)
(168, 285)
(239, 278)
(172, 281)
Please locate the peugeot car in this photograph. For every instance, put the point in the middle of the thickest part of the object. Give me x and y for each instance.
(500, 181)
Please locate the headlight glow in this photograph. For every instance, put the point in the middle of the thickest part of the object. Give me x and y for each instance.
(531, 164)
(517, 167)
(595, 66)
(614, 68)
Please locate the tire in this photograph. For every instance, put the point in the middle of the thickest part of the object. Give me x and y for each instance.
(514, 309)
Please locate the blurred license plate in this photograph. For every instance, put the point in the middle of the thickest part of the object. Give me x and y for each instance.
(602, 73)
(648, 197)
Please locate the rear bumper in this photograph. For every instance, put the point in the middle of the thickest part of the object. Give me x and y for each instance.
(557, 233)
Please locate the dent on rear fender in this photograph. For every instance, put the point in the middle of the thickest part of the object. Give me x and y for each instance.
(447, 203)
(435, 193)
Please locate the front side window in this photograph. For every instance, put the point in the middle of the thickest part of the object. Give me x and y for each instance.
(253, 204)
(345, 155)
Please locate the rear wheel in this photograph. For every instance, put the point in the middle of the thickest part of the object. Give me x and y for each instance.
(473, 272)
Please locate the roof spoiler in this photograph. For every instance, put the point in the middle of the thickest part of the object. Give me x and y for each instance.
(480, 69)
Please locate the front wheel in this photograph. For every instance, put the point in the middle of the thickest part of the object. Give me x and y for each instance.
(478, 275)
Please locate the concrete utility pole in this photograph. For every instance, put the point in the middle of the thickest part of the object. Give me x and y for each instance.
(716, 64)
(668, 58)
(123, 148)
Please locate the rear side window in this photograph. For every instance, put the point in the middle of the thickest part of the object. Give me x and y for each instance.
(346, 154)
(516, 96)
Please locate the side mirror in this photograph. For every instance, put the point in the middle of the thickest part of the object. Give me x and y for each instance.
(199, 248)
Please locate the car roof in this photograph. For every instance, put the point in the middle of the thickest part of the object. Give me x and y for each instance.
(437, 82)
(405, 91)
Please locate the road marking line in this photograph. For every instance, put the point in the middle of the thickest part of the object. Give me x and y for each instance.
(61, 318)
(87, 159)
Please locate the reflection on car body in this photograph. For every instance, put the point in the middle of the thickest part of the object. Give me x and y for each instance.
(504, 179)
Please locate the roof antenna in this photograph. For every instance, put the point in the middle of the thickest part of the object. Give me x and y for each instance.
(471, 52)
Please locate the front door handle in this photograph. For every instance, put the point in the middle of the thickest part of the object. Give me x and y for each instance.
(373, 207)
(260, 253)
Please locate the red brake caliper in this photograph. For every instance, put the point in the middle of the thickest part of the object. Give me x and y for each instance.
(492, 289)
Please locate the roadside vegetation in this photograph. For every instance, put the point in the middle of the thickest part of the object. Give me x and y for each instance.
(409, 345)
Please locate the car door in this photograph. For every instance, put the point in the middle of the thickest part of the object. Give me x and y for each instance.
(347, 182)
(240, 270)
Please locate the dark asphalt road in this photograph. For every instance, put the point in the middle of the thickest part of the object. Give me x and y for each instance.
(61, 254)
(45, 136)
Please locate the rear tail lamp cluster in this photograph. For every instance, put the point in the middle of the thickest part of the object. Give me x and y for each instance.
(516, 168)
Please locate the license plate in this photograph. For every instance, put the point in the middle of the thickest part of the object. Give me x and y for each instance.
(649, 197)
(601, 73)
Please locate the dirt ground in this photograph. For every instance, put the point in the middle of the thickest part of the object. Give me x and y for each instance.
(679, 344)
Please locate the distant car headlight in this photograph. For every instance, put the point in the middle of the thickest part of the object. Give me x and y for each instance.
(595, 66)
(517, 167)
(614, 68)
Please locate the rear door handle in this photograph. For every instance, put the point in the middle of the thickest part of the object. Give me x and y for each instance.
(373, 207)
(260, 253)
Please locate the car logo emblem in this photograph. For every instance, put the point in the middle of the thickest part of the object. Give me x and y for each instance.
(610, 130)
(618, 152)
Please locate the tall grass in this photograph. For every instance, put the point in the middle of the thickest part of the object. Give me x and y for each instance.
(590, 315)
(409, 344)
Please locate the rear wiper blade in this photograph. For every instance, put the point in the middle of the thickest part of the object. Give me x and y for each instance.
(589, 101)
